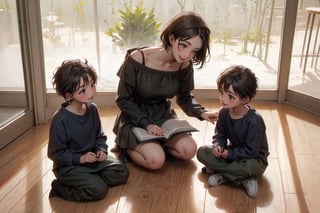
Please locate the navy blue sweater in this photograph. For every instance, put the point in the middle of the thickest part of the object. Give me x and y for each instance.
(73, 135)
(247, 135)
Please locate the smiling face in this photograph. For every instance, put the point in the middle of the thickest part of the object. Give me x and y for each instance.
(185, 50)
(188, 26)
(85, 92)
(229, 99)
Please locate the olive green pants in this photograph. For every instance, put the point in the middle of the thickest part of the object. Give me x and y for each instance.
(235, 171)
(89, 182)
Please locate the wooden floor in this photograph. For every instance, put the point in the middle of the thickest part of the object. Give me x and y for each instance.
(291, 183)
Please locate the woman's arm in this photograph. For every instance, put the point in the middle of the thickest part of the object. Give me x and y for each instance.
(125, 95)
(184, 97)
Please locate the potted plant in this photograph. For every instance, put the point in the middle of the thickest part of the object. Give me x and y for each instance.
(136, 28)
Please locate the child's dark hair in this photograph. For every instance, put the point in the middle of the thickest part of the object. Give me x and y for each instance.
(185, 26)
(242, 79)
(66, 78)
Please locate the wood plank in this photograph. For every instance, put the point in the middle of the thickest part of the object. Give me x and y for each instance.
(138, 194)
(17, 188)
(271, 191)
(284, 148)
(290, 183)
(192, 193)
(292, 204)
(228, 198)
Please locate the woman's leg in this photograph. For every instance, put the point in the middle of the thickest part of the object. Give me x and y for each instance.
(149, 155)
(182, 146)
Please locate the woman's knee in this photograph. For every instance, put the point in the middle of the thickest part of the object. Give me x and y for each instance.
(155, 161)
(188, 151)
(183, 146)
(149, 155)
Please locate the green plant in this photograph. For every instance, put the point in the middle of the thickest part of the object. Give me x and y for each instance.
(136, 28)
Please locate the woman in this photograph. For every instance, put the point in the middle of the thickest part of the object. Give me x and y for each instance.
(149, 77)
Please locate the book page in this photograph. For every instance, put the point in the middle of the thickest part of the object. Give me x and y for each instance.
(143, 135)
(170, 127)
(173, 126)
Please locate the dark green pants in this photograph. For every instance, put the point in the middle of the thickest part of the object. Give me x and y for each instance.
(89, 182)
(235, 171)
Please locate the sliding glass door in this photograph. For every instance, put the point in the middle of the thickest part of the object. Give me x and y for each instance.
(16, 115)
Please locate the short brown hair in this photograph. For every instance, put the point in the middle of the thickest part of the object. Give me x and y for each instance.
(241, 78)
(184, 26)
(66, 78)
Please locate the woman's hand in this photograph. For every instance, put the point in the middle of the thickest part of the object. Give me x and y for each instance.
(155, 129)
(210, 116)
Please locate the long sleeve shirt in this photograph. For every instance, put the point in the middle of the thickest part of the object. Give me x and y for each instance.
(73, 135)
(247, 135)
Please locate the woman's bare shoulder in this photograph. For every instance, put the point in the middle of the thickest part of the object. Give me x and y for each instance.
(147, 52)
(137, 55)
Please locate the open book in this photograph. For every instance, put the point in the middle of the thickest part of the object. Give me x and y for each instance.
(170, 127)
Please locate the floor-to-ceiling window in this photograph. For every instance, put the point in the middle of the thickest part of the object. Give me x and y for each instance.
(243, 32)
(305, 73)
(12, 87)
(14, 104)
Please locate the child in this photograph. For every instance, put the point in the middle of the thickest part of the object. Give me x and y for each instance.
(77, 144)
(240, 149)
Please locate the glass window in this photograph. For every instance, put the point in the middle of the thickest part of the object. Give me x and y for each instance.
(243, 32)
(12, 86)
(305, 64)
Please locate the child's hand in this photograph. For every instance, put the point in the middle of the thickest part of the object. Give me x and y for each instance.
(219, 152)
(101, 156)
(224, 154)
(89, 157)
